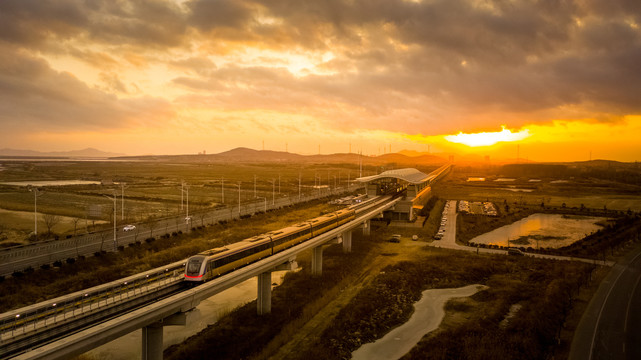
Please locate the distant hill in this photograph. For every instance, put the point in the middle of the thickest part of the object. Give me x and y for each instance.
(245, 155)
(84, 153)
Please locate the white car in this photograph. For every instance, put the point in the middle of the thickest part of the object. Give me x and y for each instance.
(129, 228)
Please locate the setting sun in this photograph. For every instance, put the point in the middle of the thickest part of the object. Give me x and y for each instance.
(487, 138)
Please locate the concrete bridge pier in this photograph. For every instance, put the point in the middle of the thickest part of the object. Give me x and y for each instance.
(347, 241)
(264, 299)
(366, 227)
(317, 261)
(264, 291)
(152, 336)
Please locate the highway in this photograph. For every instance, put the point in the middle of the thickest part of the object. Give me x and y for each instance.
(610, 327)
(37, 254)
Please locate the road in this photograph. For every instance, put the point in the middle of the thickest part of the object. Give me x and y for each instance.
(37, 254)
(611, 325)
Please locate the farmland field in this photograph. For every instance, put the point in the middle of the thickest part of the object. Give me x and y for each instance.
(151, 189)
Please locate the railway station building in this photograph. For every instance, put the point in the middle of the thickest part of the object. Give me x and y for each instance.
(415, 184)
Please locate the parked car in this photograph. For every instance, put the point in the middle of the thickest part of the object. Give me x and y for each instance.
(515, 252)
(129, 228)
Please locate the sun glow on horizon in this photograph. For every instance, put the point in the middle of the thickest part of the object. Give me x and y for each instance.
(488, 138)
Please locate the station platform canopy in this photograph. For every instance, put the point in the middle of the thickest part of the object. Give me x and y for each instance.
(410, 175)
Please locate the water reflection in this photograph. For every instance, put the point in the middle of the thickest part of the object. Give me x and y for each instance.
(542, 230)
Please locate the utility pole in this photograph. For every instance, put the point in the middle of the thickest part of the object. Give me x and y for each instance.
(115, 199)
(182, 190)
(122, 204)
(187, 190)
(273, 191)
(238, 199)
(254, 185)
(299, 186)
(222, 189)
(278, 183)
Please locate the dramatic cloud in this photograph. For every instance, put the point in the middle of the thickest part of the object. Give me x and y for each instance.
(426, 67)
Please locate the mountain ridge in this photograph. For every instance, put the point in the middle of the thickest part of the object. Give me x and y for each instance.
(87, 152)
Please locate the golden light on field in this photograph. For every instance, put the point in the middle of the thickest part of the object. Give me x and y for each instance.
(488, 138)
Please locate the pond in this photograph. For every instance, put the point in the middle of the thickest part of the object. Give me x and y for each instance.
(427, 316)
(51, 183)
(542, 230)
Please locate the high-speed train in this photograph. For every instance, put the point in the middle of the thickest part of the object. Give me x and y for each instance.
(215, 262)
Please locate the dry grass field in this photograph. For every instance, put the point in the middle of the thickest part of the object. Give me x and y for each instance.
(151, 189)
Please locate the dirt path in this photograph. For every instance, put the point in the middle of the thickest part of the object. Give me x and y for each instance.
(381, 256)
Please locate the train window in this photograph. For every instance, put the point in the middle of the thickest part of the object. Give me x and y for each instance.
(193, 266)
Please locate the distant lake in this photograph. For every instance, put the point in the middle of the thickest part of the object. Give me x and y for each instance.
(551, 230)
(51, 183)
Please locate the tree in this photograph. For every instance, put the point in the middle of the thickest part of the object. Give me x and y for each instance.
(51, 221)
(75, 228)
(136, 233)
(152, 223)
(75, 222)
(103, 236)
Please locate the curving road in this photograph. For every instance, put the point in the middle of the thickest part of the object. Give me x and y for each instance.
(611, 325)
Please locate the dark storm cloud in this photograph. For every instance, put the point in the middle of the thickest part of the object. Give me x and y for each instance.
(207, 15)
(34, 22)
(429, 67)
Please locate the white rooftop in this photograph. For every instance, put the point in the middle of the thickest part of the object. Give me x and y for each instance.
(410, 175)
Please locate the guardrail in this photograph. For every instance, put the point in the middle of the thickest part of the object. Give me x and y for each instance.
(55, 310)
(23, 257)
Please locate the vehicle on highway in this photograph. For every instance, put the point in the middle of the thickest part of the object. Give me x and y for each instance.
(215, 262)
(396, 238)
(129, 228)
(515, 252)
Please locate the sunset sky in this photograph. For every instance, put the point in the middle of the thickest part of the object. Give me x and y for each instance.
(560, 79)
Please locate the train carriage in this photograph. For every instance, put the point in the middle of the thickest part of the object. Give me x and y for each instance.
(218, 261)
